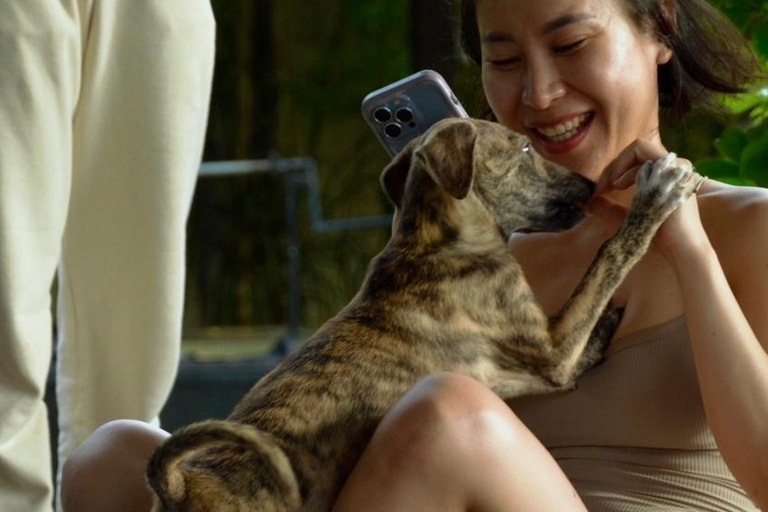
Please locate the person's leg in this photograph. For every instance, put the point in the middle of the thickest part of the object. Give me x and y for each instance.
(452, 445)
(107, 471)
(39, 73)
(138, 138)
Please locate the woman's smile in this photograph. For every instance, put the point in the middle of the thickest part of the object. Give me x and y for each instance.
(562, 135)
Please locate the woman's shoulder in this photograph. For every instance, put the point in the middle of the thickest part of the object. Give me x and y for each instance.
(733, 208)
(736, 221)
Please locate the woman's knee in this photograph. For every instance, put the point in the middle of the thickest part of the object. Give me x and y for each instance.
(109, 463)
(445, 416)
(452, 443)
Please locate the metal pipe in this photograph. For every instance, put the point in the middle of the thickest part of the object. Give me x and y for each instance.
(297, 172)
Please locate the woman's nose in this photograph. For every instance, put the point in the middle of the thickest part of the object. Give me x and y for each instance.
(543, 84)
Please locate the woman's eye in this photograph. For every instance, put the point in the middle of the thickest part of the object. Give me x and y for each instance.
(511, 61)
(567, 48)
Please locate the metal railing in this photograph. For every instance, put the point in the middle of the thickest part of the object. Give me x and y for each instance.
(297, 173)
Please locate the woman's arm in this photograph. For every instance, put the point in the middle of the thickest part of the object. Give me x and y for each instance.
(728, 326)
(727, 316)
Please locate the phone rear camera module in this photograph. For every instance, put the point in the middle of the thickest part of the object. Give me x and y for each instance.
(404, 115)
(393, 130)
(382, 114)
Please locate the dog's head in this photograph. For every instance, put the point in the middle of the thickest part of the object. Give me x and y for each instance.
(471, 158)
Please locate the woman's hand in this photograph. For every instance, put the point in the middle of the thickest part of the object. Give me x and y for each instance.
(683, 230)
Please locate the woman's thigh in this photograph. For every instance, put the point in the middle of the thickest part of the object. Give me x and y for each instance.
(450, 444)
(107, 472)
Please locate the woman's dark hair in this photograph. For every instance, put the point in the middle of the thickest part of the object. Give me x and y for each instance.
(710, 54)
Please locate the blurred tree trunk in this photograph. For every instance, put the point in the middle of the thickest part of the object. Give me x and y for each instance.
(258, 90)
(231, 217)
(433, 40)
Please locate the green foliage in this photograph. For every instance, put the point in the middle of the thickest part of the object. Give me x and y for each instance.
(743, 13)
(742, 148)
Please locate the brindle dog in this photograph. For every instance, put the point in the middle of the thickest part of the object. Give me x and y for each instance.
(445, 294)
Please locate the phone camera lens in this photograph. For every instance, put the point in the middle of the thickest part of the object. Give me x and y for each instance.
(393, 130)
(382, 114)
(404, 115)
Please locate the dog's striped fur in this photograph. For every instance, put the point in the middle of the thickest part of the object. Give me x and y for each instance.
(445, 294)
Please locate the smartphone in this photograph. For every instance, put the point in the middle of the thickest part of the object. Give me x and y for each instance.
(407, 108)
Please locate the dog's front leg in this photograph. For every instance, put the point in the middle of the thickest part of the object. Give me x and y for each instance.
(661, 187)
(599, 339)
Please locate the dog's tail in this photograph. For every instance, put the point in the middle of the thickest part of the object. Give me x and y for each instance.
(223, 466)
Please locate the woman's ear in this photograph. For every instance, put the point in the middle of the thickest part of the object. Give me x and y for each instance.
(665, 54)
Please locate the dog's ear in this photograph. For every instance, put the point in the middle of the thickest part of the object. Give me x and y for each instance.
(395, 174)
(447, 154)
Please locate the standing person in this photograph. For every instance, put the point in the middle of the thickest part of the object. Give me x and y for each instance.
(674, 419)
(103, 109)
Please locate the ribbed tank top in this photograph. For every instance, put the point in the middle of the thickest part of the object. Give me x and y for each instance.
(633, 437)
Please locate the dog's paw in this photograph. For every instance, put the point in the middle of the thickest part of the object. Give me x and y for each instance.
(662, 186)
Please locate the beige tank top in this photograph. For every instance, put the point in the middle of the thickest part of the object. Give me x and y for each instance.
(634, 437)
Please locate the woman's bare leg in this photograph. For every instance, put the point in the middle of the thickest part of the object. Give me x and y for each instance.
(450, 444)
(106, 473)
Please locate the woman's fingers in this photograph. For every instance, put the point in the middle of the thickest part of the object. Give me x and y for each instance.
(621, 172)
(630, 176)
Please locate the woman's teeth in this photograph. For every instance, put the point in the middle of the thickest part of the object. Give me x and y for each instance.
(564, 131)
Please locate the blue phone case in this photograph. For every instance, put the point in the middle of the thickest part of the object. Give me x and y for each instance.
(407, 108)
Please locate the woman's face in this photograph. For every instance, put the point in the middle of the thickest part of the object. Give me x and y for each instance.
(578, 77)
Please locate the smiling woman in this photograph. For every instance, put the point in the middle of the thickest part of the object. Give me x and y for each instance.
(653, 427)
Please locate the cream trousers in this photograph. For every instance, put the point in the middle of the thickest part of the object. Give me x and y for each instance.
(103, 109)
